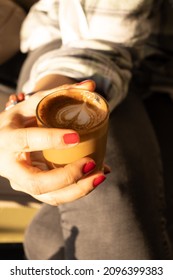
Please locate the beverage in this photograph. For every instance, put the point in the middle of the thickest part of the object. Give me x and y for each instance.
(81, 110)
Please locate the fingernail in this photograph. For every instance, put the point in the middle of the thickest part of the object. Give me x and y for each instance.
(21, 96)
(83, 82)
(13, 98)
(97, 181)
(71, 138)
(88, 167)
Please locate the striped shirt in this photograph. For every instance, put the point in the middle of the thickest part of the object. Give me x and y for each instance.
(109, 41)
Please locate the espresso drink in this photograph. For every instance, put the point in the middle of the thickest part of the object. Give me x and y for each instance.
(85, 112)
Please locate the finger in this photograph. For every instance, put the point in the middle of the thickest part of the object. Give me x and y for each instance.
(87, 85)
(35, 181)
(36, 139)
(29, 106)
(73, 192)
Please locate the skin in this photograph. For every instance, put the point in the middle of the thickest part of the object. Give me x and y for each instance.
(21, 142)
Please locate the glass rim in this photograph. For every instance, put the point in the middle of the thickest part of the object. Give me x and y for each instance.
(69, 89)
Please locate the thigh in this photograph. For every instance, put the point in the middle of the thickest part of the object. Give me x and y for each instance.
(124, 217)
(43, 238)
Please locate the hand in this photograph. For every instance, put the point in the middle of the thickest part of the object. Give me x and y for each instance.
(23, 164)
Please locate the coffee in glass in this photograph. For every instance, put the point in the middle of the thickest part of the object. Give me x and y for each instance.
(83, 111)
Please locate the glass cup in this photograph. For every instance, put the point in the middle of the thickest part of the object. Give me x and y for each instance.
(84, 111)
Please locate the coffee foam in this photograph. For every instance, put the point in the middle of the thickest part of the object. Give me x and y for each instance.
(78, 115)
(79, 112)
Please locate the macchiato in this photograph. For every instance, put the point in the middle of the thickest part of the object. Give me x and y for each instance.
(85, 112)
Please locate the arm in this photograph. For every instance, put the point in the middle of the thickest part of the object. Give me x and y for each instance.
(102, 43)
(52, 81)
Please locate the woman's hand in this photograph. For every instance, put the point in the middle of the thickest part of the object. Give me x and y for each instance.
(23, 164)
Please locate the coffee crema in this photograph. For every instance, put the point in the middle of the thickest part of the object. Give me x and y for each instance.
(74, 112)
(77, 116)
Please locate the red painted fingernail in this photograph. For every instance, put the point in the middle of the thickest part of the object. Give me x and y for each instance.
(21, 96)
(71, 138)
(97, 181)
(88, 167)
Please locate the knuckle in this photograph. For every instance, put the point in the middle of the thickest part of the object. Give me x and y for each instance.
(84, 188)
(71, 174)
(69, 179)
(22, 139)
(34, 187)
(14, 186)
(48, 199)
(84, 191)
(54, 202)
(50, 140)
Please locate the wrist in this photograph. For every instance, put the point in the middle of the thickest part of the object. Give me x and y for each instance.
(51, 81)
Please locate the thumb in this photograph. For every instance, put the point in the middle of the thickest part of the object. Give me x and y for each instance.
(87, 85)
(28, 108)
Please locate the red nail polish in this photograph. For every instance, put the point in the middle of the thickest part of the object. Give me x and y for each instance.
(97, 181)
(21, 96)
(71, 138)
(88, 167)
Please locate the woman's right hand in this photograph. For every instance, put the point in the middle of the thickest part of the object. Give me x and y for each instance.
(22, 162)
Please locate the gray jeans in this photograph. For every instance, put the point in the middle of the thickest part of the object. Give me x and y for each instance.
(124, 217)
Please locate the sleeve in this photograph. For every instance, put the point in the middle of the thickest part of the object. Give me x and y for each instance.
(40, 26)
(98, 42)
